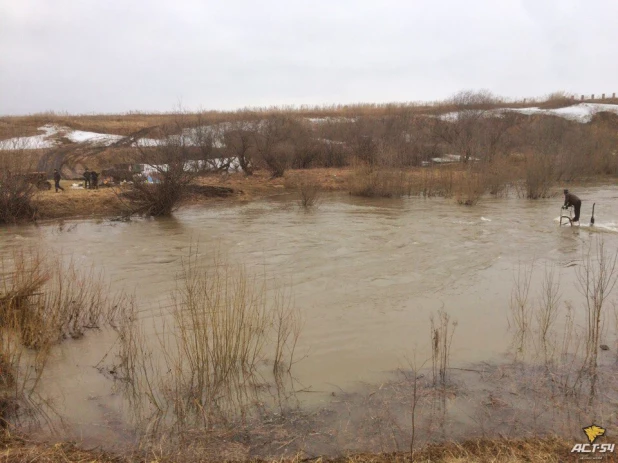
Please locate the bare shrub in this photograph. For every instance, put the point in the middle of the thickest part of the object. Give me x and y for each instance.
(442, 332)
(17, 192)
(275, 143)
(539, 176)
(548, 310)
(433, 182)
(308, 192)
(570, 359)
(536, 316)
(376, 182)
(596, 278)
(173, 171)
(203, 368)
(307, 149)
(333, 153)
(287, 325)
(462, 130)
(558, 99)
(498, 176)
(520, 308)
(20, 374)
(42, 301)
(470, 188)
(413, 376)
(240, 143)
(362, 142)
(52, 299)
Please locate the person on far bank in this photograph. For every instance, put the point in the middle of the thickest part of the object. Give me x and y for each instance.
(571, 200)
(86, 179)
(57, 180)
(94, 180)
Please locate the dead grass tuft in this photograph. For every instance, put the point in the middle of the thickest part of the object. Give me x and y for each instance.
(202, 372)
(42, 301)
(307, 191)
(373, 182)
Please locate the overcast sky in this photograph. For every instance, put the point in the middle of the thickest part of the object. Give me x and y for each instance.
(85, 56)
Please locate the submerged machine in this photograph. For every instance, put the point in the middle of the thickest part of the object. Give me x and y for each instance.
(568, 219)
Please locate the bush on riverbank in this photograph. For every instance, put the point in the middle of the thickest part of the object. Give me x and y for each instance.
(17, 192)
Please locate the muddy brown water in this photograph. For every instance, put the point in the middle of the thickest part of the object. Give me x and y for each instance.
(365, 273)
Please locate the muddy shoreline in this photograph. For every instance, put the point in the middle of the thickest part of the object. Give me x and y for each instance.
(107, 202)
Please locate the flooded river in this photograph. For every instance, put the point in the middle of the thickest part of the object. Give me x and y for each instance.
(366, 274)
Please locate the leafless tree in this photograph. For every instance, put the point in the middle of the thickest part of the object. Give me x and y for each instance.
(274, 143)
(240, 144)
(462, 128)
(173, 166)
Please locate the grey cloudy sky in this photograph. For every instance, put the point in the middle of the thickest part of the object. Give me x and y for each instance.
(119, 55)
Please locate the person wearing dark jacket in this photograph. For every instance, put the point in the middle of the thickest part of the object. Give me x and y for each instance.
(86, 179)
(571, 200)
(94, 180)
(57, 180)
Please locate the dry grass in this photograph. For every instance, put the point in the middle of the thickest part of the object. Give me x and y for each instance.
(202, 371)
(466, 184)
(396, 138)
(53, 299)
(128, 123)
(478, 451)
(16, 191)
(104, 202)
(307, 191)
(539, 176)
(431, 182)
(470, 188)
(442, 333)
(20, 450)
(72, 203)
(373, 182)
(42, 302)
(597, 279)
(570, 358)
(391, 136)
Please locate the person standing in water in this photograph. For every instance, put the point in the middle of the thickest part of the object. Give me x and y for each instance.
(571, 200)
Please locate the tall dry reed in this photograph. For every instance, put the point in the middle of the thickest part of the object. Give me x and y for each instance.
(378, 182)
(43, 300)
(442, 332)
(202, 369)
(597, 278)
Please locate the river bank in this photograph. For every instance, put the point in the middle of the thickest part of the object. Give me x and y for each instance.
(105, 202)
(446, 181)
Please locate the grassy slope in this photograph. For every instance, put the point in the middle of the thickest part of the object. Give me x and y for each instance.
(126, 124)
